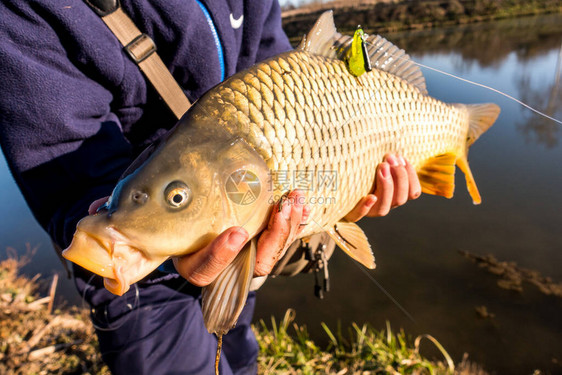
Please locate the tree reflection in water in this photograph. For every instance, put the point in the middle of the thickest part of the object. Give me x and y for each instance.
(489, 45)
(538, 128)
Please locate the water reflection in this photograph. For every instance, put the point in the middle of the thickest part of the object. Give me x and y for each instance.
(543, 130)
(487, 44)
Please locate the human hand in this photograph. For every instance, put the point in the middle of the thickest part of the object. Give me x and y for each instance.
(396, 182)
(203, 266)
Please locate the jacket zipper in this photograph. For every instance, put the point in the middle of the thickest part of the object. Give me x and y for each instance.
(218, 43)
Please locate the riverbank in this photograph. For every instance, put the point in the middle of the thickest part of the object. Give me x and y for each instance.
(37, 339)
(395, 15)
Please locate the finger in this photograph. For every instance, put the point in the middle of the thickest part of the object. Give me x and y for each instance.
(415, 186)
(96, 204)
(282, 228)
(304, 219)
(203, 266)
(362, 208)
(384, 191)
(296, 219)
(400, 180)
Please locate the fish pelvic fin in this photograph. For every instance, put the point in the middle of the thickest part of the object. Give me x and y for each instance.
(225, 297)
(437, 175)
(353, 241)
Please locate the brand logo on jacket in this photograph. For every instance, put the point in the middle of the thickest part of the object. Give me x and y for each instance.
(236, 22)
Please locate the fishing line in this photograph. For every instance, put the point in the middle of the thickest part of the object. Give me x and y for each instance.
(386, 293)
(491, 89)
(408, 57)
(131, 307)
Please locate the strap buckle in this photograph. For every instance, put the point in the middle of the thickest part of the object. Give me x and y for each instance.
(321, 265)
(140, 48)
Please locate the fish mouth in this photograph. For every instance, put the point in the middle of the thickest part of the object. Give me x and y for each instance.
(106, 251)
(107, 258)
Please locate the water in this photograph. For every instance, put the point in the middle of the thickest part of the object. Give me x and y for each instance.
(516, 167)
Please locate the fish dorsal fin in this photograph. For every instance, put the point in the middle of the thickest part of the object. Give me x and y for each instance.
(386, 56)
(353, 241)
(324, 40)
(225, 297)
(321, 39)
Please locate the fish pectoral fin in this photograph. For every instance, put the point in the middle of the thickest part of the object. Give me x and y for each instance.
(470, 183)
(353, 241)
(225, 297)
(437, 175)
(257, 282)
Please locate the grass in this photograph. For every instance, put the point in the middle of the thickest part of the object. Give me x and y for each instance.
(36, 340)
(286, 348)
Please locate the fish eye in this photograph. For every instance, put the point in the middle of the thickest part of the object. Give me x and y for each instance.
(177, 194)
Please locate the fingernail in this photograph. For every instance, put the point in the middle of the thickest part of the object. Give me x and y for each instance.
(385, 171)
(238, 237)
(370, 201)
(391, 159)
(402, 160)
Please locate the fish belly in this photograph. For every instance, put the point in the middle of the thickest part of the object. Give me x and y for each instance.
(324, 131)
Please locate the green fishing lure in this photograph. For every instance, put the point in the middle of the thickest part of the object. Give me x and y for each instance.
(358, 61)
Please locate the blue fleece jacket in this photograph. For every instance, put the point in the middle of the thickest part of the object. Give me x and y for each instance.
(75, 110)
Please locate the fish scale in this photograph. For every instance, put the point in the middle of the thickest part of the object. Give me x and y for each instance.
(338, 123)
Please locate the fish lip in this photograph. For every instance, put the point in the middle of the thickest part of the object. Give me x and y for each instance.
(107, 246)
(90, 252)
(102, 258)
(119, 284)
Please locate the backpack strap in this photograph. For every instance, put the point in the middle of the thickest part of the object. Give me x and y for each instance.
(142, 50)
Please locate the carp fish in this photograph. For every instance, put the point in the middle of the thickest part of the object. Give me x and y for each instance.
(227, 161)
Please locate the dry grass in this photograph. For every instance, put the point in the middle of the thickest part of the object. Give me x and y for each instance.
(35, 341)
